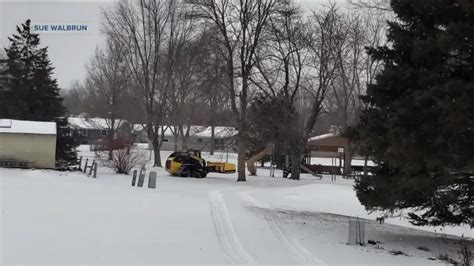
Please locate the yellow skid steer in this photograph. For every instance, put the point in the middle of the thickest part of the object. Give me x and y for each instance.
(191, 164)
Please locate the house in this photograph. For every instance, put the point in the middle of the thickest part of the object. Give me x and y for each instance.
(224, 138)
(29, 144)
(92, 130)
(328, 145)
(200, 138)
(89, 130)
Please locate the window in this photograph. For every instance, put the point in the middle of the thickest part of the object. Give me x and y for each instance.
(103, 133)
(199, 140)
(83, 132)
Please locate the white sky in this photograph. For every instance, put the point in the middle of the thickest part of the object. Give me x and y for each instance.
(69, 53)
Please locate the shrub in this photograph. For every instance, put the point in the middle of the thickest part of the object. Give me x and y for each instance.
(124, 160)
(121, 158)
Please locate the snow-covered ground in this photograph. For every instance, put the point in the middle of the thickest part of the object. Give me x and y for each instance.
(50, 217)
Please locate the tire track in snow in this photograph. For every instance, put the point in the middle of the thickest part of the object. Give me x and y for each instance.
(304, 256)
(225, 231)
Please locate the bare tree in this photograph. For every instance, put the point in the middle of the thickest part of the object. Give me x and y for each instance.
(354, 69)
(239, 24)
(322, 65)
(106, 85)
(213, 85)
(140, 28)
(296, 66)
(182, 56)
(281, 66)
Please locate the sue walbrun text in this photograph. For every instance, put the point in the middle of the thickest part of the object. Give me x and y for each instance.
(60, 27)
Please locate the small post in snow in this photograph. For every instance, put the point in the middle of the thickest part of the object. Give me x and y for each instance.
(152, 180)
(141, 177)
(91, 168)
(95, 170)
(134, 178)
(356, 232)
(85, 166)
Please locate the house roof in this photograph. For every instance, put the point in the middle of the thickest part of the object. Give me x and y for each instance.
(321, 137)
(219, 132)
(102, 123)
(198, 131)
(27, 127)
(328, 140)
(92, 123)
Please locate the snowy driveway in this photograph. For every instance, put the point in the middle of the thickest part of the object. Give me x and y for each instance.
(50, 217)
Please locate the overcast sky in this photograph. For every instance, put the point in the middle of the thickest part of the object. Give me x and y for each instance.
(68, 52)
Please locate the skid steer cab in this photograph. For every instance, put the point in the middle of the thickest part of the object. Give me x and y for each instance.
(191, 164)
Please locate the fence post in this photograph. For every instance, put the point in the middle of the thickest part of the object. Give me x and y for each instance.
(80, 163)
(91, 167)
(85, 166)
(134, 178)
(141, 178)
(95, 170)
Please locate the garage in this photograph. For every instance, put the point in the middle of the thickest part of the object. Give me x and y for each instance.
(27, 144)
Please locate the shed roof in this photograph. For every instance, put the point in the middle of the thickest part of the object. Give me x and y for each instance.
(27, 127)
(321, 137)
(330, 140)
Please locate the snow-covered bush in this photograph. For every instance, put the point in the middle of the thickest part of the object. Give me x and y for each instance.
(122, 159)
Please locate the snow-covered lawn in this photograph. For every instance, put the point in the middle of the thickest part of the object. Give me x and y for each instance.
(50, 217)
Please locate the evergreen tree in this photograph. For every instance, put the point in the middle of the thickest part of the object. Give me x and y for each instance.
(32, 93)
(66, 143)
(419, 122)
(273, 120)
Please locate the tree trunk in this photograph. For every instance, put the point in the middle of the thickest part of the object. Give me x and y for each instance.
(295, 159)
(348, 160)
(175, 142)
(180, 143)
(111, 151)
(211, 150)
(241, 158)
(180, 138)
(243, 129)
(156, 152)
(111, 138)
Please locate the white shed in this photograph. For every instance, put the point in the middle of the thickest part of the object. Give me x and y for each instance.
(27, 143)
